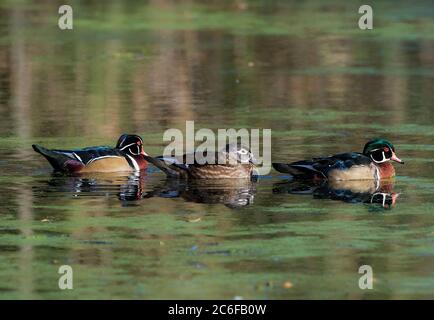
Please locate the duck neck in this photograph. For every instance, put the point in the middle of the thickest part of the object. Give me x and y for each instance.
(140, 161)
(386, 170)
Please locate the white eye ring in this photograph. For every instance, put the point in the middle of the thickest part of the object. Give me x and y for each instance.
(243, 151)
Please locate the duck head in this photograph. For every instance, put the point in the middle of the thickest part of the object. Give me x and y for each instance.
(131, 144)
(380, 151)
(240, 153)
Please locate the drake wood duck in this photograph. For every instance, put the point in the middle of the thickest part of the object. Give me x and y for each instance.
(372, 164)
(233, 161)
(128, 155)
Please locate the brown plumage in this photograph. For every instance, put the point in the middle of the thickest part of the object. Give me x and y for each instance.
(240, 171)
(234, 161)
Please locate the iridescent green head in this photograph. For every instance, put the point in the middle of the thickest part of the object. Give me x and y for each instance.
(377, 143)
(380, 150)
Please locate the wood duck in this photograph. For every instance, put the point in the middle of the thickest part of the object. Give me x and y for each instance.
(372, 164)
(128, 155)
(233, 161)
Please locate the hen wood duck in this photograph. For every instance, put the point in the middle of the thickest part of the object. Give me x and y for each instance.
(128, 155)
(233, 161)
(372, 164)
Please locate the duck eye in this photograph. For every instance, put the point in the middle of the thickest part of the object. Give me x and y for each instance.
(377, 155)
(135, 150)
(387, 152)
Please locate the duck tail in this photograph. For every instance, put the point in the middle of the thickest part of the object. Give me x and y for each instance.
(284, 168)
(300, 168)
(56, 159)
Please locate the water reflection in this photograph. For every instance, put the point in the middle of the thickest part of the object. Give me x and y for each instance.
(127, 187)
(363, 191)
(233, 193)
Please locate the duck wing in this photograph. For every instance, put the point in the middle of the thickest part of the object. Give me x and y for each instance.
(323, 165)
(204, 158)
(91, 154)
(63, 159)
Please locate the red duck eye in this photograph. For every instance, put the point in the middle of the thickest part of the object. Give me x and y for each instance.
(388, 153)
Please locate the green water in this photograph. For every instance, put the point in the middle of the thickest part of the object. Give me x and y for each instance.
(303, 70)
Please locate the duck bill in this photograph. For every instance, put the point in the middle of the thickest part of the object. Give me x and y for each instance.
(394, 197)
(396, 159)
(254, 161)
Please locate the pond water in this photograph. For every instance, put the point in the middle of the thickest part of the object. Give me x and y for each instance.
(304, 70)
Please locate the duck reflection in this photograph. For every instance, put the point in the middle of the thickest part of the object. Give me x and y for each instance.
(233, 193)
(126, 186)
(363, 191)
